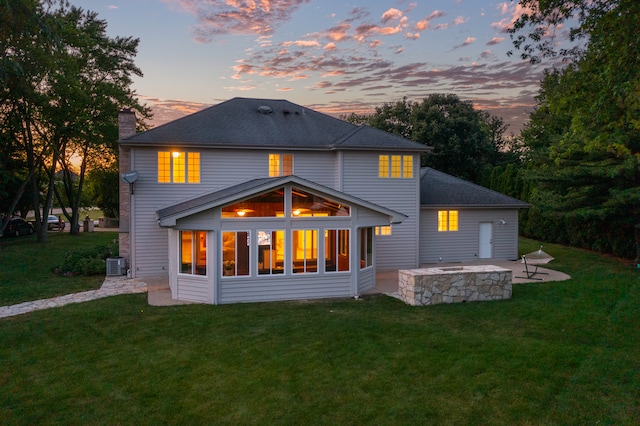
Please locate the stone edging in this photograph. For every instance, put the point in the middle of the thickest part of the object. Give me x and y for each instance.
(112, 286)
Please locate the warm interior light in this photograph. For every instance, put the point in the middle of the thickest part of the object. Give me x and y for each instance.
(241, 212)
(175, 154)
(296, 212)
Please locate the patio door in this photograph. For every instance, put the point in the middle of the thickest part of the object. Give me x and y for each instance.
(486, 241)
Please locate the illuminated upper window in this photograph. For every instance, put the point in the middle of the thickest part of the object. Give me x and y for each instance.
(270, 204)
(305, 204)
(395, 166)
(280, 165)
(383, 166)
(178, 167)
(447, 220)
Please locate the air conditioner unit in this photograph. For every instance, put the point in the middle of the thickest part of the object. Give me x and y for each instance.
(116, 266)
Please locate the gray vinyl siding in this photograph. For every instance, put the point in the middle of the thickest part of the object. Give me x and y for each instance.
(360, 178)
(282, 287)
(194, 289)
(218, 169)
(463, 245)
(366, 279)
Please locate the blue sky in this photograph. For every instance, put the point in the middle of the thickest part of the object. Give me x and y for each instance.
(333, 56)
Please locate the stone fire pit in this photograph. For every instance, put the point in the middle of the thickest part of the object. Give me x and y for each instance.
(454, 284)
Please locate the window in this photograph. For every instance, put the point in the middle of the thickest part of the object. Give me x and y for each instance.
(305, 204)
(235, 253)
(366, 247)
(407, 167)
(270, 252)
(193, 252)
(336, 245)
(383, 230)
(280, 165)
(383, 166)
(447, 220)
(178, 167)
(270, 204)
(305, 251)
(193, 159)
(395, 166)
(164, 167)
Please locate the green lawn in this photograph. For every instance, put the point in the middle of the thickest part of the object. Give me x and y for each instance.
(26, 267)
(556, 353)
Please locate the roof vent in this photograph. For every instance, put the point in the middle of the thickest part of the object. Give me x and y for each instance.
(286, 112)
(265, 109)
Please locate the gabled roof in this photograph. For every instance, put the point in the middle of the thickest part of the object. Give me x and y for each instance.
(167, 216)
(440, 189)
(269, 124)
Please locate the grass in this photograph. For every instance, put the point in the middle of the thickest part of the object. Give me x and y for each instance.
(26, 267)
(556, 353)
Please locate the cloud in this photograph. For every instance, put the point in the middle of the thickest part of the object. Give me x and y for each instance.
(495, 40)
(468, 41)
(460, 20)
(425, 23)
(302, 43)
(512, 12)
(220, 17)
(391, 15)
(165, 110)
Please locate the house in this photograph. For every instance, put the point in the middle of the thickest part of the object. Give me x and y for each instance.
(260, 200)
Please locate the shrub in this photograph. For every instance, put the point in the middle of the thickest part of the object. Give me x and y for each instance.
(87, 262)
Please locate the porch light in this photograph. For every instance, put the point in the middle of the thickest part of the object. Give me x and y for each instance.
(241, 212)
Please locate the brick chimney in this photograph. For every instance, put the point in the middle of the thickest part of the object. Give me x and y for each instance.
(126, 129)
(126, 123)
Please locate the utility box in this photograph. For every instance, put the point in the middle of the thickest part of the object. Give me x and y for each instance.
(88, 224)
(116, 266)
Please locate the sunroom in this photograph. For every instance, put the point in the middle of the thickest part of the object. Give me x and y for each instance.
(272, 239)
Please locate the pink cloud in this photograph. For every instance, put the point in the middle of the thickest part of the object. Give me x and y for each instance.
(495, 40)
(460, 20)
(513, 12)
(391, 15)
(338, 32)
(330, 46)
(302, 43)
(237, 16)
(468, 41)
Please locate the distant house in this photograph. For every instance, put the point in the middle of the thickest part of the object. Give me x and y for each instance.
(259, 200)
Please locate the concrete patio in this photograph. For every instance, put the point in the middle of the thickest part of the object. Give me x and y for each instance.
(386, 281)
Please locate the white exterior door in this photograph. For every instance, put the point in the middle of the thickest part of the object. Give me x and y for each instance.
(486, 241)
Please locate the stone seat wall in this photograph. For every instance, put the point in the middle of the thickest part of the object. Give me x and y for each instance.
(430, 286)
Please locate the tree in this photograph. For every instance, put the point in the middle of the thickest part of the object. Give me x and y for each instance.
(65, 80)
(102, 185)
(464, 139)
(584, 137)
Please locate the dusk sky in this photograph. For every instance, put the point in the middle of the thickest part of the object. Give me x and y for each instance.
(333, 56)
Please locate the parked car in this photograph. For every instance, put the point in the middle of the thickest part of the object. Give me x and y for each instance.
(17, 226)
(53, 222)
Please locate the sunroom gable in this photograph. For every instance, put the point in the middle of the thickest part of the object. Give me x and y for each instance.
(168, 216)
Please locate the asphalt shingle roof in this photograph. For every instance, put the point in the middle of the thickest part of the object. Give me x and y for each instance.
(440, 189)
(269, 123)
